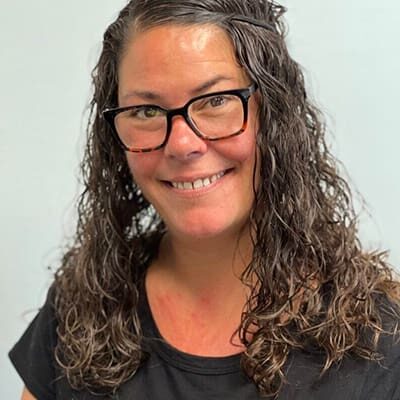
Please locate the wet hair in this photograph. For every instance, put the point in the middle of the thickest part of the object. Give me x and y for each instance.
(313, 287)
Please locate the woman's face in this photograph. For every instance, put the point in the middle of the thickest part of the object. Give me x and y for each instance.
(167, 66)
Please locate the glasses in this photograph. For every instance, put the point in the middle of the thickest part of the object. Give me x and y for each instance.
(212, 116)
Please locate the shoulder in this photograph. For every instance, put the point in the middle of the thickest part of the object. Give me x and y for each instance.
(353, 377)
(33, 354)
(381, 379)
(388, 345)
(42, 329)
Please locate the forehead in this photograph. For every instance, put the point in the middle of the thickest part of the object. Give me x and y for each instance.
(180, 40)
(171, 56)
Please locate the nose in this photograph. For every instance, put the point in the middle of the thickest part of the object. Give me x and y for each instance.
(183, 144)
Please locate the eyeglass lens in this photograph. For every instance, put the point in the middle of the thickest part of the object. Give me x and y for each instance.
(214, 117)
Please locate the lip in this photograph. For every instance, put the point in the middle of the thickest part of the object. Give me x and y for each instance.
(193, 178)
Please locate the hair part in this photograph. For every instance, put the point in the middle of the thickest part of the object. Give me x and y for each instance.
(315, 286)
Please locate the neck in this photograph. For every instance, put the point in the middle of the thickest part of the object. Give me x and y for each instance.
(205, 265)
(196, 295)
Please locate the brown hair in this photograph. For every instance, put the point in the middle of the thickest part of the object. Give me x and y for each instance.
(315, 286)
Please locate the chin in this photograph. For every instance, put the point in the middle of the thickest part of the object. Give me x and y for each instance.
(208, 228)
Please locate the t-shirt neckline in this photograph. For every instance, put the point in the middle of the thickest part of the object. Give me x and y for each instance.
(204, 365)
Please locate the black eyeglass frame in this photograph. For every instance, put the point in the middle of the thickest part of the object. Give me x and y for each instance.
(244, 94)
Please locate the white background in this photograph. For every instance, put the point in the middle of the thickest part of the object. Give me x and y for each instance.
(351, 54)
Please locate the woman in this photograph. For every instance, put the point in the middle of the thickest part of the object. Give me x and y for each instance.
(216, 254)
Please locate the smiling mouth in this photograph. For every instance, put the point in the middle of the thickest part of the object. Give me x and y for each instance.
(198, 183)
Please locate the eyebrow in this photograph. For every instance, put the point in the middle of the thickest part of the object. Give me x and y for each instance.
(154, 96)
(209, 84)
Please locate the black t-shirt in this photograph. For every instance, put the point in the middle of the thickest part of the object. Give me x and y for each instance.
(169, 374)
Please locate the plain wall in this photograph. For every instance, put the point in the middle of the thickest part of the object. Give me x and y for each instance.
(351, 56)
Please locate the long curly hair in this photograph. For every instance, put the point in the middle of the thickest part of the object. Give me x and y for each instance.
(312, 285)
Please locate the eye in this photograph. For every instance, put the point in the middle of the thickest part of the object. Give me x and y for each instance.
(217, 101)
(212, 103)
(146, 112)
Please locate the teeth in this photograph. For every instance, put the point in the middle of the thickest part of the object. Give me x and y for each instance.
(206, 182)
(198, 183)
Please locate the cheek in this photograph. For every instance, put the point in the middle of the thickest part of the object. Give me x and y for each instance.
(241, 148)
(142, 165)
